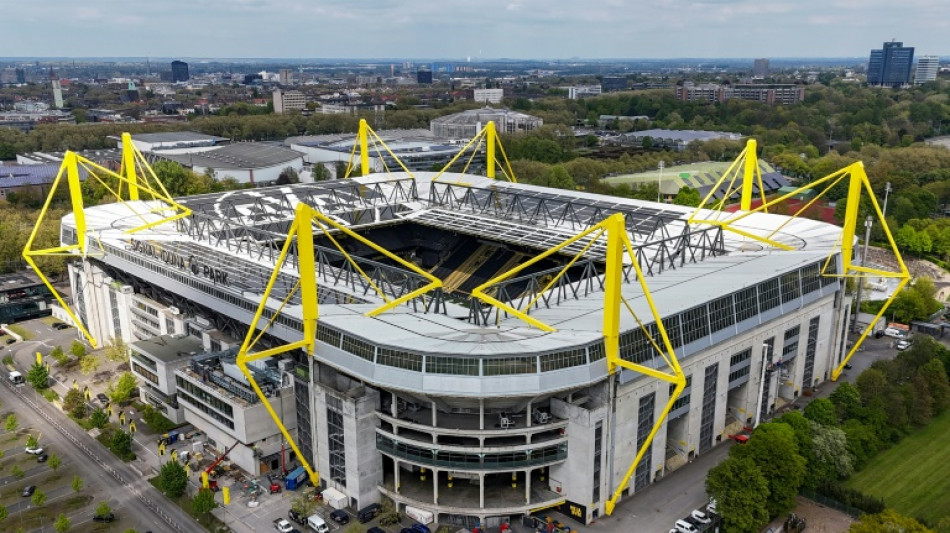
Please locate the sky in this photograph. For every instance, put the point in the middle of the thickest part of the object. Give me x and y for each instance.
(479, 29)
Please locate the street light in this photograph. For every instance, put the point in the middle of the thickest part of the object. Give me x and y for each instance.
(887, 190)
(659, 181)
(864, 262)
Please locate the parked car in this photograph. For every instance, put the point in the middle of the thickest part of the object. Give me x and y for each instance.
(375, 529)
(711, 506)
(42, 458)
(34, 451)
(368, 513)
(339, 516)
(419, 528)
(103, 399)
(700, 516)
(28, 491)
(11, 340)
(740, 439)
(685, 527)
(903, 344)
(297, 517)
(283, 525)
(109, 517)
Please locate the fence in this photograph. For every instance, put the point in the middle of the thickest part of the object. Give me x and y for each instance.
(854, 512)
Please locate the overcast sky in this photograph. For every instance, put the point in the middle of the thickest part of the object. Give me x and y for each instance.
(470, 28)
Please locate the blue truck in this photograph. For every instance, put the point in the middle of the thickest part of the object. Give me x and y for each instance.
(296, 478)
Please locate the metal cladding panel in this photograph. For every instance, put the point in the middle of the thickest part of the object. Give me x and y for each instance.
(723, 335)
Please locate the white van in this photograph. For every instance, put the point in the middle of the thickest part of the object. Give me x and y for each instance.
(16, 377)
(685, 527)
(317, 524)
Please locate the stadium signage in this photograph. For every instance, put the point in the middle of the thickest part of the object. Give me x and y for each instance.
(188, 264)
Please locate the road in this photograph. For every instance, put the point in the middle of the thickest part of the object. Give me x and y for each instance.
(129, 492)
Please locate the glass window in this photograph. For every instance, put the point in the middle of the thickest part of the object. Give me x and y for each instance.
(510, 365)
(791, 290)
(746, 304)
(769, 295)
(556, 361)
(400, 359)
(695, 324)
(722, 313)
(464, 366)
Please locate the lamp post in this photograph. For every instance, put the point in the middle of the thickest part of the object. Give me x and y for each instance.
(887, 190)
(659, 180)
(864, 261)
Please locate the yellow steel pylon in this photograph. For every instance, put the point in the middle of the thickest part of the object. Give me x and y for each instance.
(136, 174)
(305, 218)
(363, 137)
(618, 247)
(858, 183)
(489, 136)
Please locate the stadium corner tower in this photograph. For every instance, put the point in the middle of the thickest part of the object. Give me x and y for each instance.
(446, 405)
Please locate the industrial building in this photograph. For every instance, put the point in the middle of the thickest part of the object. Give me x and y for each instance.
(467, 124)
(675, 139)
(257, 163)
(175, 142)
(417, 149)
(445, 403)
(23, 296)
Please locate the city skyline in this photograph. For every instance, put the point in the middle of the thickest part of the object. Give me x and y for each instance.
(517, 29)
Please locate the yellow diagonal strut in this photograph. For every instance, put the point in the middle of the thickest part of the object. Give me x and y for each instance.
(305, 218)
(619, 247)
(135, 174)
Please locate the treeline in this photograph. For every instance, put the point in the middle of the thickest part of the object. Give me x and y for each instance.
(831, 439)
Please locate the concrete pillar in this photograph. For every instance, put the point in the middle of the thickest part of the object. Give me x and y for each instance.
(481, 413)
(435, 421)
(396, 479)
(435, 486)
(393, 408)
(527, 486)
(481, 490)
(528, 417)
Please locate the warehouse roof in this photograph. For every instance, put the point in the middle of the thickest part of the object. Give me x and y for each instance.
(176, 137)
(26, 175)
(238, 155)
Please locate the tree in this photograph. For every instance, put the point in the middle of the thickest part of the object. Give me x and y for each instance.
(287, 176)
(203, 502)
(77, 484)
(121, 444)
(847, 401)
(89, 364)
(16, 472)
(55, 462)
(741, 492)
(935, 376)
(560, 179)
(62, 523)
(32, 441)
(687, 196)
(60, 356)
(121, 389)
(303, 504)
(98, 418)
(830, 448)
(822, 411)
(103, 509)
(172, 479)
(38, 498)
(117, 351)
(320, 172)
(78, 349)
(11, 423)
(889, 520)
(74, 403)
(775, 452)
(3, 513)
(38, 376)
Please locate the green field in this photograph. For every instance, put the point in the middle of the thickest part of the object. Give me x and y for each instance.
(914, 476)
(712, 167)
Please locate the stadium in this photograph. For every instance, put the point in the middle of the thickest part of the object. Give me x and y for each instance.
(462, 364)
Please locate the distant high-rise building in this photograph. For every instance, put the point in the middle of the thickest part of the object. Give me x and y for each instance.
(424, 77)
(613, 83)
(760, 68)
(927, 67)
(488, 96)
(57, 90)
(890, 66)
(285, 76)
(179, 71)
(20, 76)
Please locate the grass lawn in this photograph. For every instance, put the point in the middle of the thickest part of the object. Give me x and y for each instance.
(21, 331)
(914, 476)
(712, 167)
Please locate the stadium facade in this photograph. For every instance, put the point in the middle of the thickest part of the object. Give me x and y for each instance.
(447, 405)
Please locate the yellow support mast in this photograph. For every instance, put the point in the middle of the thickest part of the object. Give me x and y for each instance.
(305, 219)
(619, 247)
(489, 136)
(161, 209)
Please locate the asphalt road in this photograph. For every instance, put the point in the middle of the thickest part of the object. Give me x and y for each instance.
(129, 493)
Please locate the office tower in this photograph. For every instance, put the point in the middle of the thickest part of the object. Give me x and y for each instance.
(179, 71)
(890, 66)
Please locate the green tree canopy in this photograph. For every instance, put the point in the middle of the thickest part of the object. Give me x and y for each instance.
(172, 479)
(822, 411)
(121, 389)
(741, 493)
(775, 452)
(62, 523)
(888, 521)
(38, 376)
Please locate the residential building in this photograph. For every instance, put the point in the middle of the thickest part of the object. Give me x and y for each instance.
(760, 68)
(771, 94)
(285, 101)
(890, 66)
(583, 91)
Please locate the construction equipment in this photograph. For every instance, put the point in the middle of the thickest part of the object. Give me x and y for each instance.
(213, 484)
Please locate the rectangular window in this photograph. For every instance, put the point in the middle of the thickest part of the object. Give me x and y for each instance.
(695, 324)
(791, 288)
(739, 366)
(722, 313)
(746, 304)
(559, 360)
(684, 398)
(811, 278)
(510, 365)
(399, 359)
(769, 295)
(358, 347)
(462, 366)
(598, 444)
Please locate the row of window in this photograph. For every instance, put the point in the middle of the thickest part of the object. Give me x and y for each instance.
(187, 398)
(203, 396)
(514, 459)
